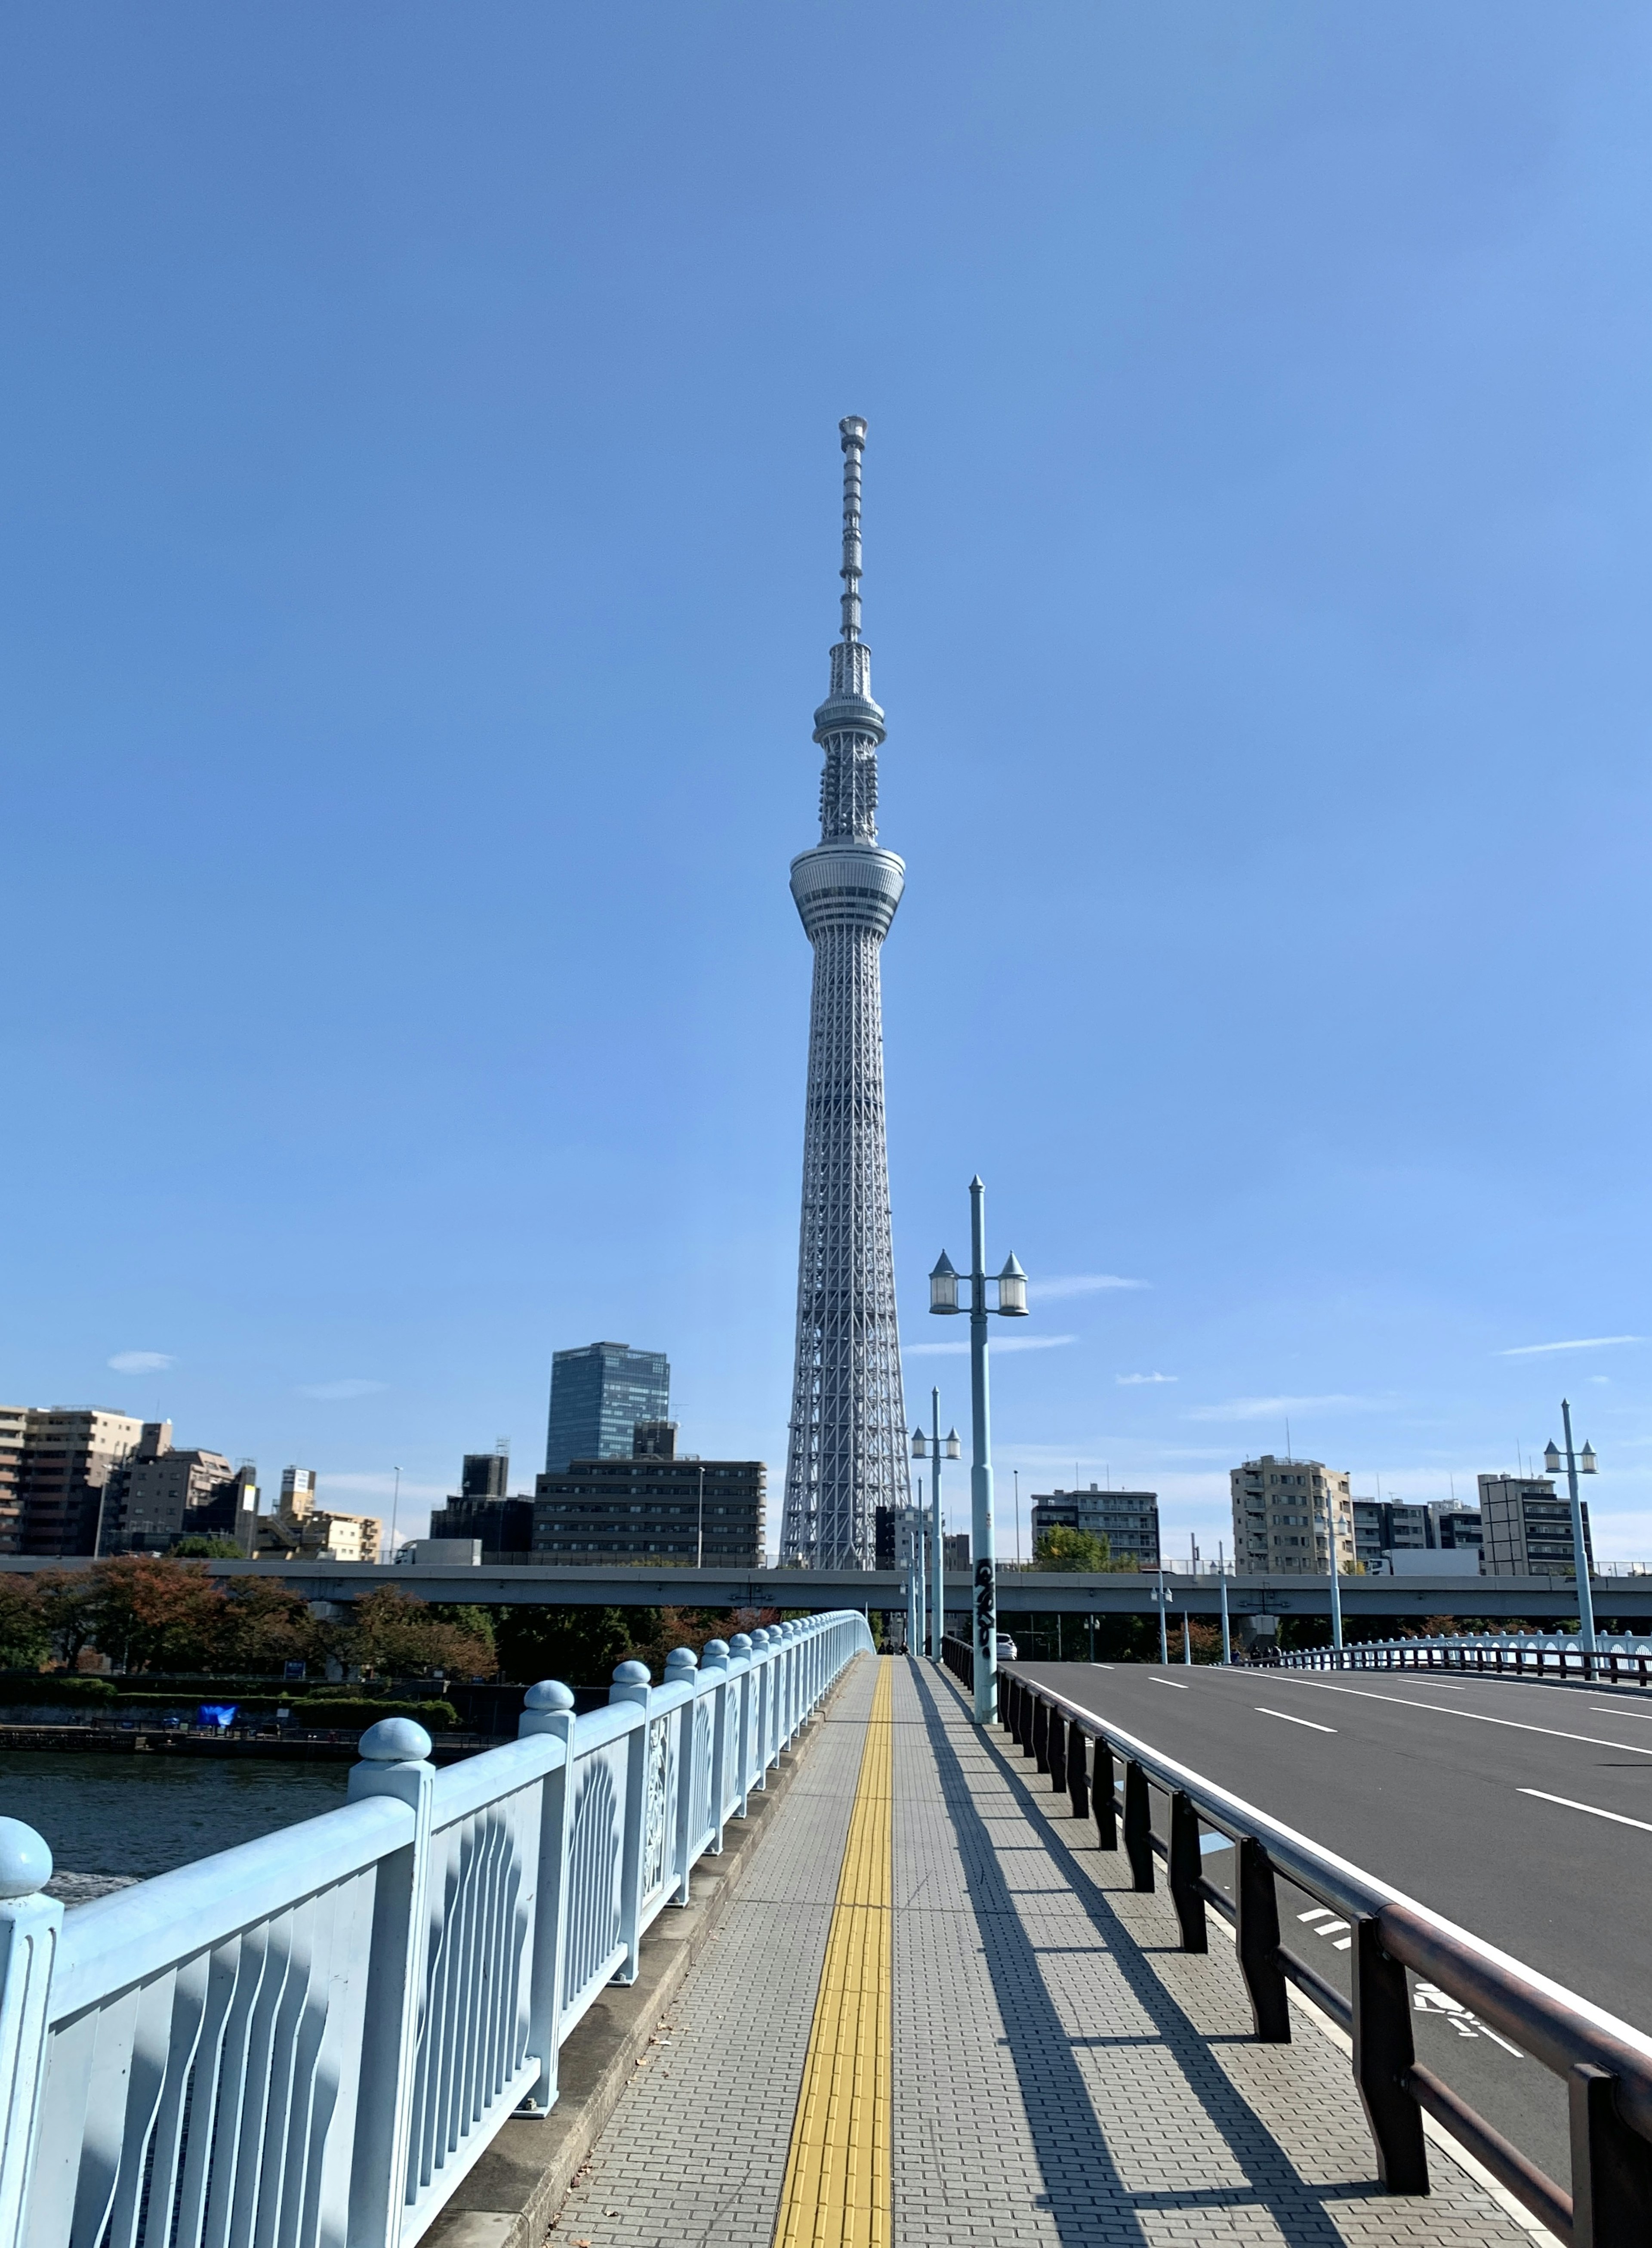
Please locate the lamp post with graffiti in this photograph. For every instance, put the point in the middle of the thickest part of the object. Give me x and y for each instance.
(1011, 1305)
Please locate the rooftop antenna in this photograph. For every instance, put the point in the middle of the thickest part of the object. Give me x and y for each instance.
(1288, 1441)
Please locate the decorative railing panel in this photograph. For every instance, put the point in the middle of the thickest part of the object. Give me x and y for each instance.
(307, 2041)
(596, 1947)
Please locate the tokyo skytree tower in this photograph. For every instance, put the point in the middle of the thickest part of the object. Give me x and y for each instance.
(847, 1454)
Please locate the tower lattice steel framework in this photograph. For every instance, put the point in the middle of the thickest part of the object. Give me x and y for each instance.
(847, 1454)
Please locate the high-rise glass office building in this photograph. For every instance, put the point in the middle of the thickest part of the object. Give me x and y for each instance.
(597, 1396)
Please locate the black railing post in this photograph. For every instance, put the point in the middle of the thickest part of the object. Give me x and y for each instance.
(1104, 1798)
(1186, 1868)
(1258, 1917)
(1138, 1826)
(1040, 1733)
(1611, 2165)
(1029, 1718)
(1078, 1786)
(1383, 2053)
(1057, 1751)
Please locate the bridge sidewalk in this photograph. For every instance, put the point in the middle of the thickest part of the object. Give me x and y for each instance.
(1059, 2072)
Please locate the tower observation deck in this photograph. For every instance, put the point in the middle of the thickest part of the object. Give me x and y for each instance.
(847, 1449)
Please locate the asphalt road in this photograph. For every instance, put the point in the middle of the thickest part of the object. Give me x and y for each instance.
(1482, 1799)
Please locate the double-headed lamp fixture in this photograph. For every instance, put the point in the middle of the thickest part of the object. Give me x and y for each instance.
(1011, 1289)
(1554, 1461)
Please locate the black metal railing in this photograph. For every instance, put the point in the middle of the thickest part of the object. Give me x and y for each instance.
(1606, 2066)
(1489, 1657)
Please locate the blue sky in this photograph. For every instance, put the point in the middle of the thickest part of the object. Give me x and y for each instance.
(422, 476)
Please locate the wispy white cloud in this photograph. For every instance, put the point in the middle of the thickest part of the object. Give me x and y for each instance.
(330, 1391)
(1264, 1409)
(1133, 1380)
(1585, 1342)
(1006, 1342)
(141, 1361)
(1076, 1283)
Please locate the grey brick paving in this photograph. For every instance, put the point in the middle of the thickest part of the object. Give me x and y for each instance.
(1063, 2073)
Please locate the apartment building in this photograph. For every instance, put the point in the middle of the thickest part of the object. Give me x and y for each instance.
(1283, 1514)
(1127, 1519)
(300, 1530)
(70, 1456)
(14, 1421)
(652, 1507)
(162, 1494)
(1527, 1528)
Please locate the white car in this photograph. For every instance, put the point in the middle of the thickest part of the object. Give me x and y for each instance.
(1007, 1650)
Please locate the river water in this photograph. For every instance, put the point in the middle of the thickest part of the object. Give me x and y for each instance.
(135, 1815)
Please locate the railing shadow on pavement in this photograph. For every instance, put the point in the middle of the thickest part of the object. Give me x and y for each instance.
(1088, 2197)
(1606, 2064)
(308, 2041)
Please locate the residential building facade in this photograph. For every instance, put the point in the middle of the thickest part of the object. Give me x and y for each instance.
(1382, 1527)
(161, 1496)
(504, 1526)
(1127, 1519)
(70, 1456)
(897, 1533)
(1283, 1512)
(300, 1530)
(1527, 1528)
(14, 1423)
(598, 1394)
(1455, 1528)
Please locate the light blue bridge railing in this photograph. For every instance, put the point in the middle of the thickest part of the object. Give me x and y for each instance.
(307, 2042)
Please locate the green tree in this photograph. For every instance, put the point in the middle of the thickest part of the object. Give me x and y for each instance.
(580, 1646)
(396, 1635)
(152, 1613)
(68, 1601)
(266, 1624)
(25, 1637)
(1063, 1547)
(207, 1549)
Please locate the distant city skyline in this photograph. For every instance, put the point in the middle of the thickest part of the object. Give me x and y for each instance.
(416, 548)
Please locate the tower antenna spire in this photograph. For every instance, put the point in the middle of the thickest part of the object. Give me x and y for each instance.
(852, 430)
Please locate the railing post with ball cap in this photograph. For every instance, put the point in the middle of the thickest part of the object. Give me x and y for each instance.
(632, 1683)
(715, 1657)
(30, 1927)
(548, 1708)
(395, 1762)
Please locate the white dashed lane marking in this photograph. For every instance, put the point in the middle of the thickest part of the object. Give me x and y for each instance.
(1618, 1818)
(1476, 1716)
(1290, 1720)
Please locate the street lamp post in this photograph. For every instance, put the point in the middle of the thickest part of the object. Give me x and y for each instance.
(699, 1534)
(1011, 1305)
(1160, 1597)
(1227, 1640)
(1336, 1590)
(935, 1449)
(1577, 1463)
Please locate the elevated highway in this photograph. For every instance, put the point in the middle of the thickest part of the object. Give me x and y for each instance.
(1541, 1599)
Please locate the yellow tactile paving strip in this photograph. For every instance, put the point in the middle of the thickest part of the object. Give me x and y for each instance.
(837, 2191)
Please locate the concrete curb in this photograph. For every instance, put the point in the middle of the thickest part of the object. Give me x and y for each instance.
(509, 2198)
